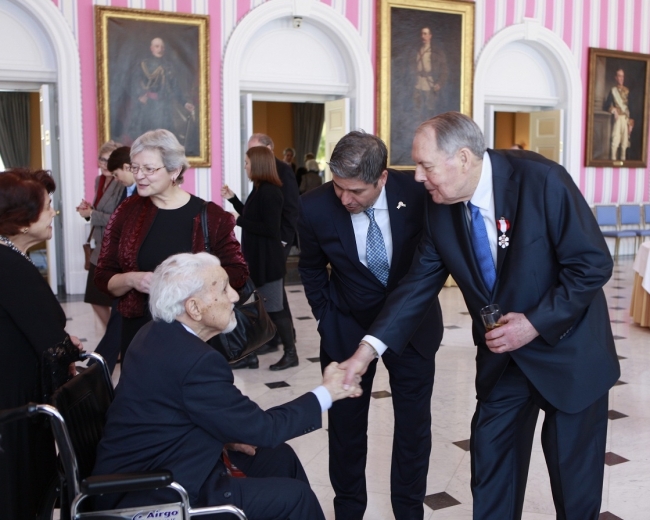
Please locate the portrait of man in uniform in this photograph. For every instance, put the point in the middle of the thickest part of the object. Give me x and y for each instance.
(426, 68)
(152, 73)
(617, 120)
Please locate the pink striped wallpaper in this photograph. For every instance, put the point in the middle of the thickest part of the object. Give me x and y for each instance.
(615, 24)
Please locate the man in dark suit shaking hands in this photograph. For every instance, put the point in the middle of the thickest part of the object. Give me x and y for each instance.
(176, 406)
(365, 225)
(513, 229)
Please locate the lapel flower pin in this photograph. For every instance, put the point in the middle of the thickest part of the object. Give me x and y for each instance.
(503, 225)
(400, 204)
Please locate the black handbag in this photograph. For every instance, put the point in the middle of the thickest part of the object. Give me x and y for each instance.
(55, 366)
(254, 326)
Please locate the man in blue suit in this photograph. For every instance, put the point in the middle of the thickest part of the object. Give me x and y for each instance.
(513, 229)
(358, 235)
(176, 406)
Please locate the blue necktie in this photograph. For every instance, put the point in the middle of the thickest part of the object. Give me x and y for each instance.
(481, 246)
(376, 250)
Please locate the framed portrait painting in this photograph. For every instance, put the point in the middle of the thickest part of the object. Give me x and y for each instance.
(425, 67)
(617, 109)
(152, 72)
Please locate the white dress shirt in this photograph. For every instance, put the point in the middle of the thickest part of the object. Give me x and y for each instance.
(483, 199)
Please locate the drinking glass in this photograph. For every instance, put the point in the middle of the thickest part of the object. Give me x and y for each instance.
(491, 316)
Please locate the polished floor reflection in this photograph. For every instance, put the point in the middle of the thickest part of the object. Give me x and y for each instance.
(626, 493)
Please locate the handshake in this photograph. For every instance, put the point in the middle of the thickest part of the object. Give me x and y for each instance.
(333, 380)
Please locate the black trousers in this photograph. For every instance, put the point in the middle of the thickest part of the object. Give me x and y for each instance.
(411, 383)
(275, 488)
(502, 435)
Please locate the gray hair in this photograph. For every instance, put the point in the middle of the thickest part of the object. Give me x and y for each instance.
(359, 155)
(164, 142)
(455, 131)
(108, 147)
(312, 165)
(174, 281)
(263, 139)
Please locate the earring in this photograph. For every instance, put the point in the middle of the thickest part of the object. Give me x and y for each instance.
(25, 231)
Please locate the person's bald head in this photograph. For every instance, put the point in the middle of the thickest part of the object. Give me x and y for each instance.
(157, 47)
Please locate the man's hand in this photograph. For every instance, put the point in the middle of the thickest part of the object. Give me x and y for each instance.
(358, 363)
(515, 332)
(333, 381)
(243, 448)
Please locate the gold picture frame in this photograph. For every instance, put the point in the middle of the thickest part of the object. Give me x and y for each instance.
(610, 142)
(153, 72)
(416, 81)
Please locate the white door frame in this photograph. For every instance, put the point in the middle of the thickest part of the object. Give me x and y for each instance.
(566, 74)
(70, 135)
(341, 32)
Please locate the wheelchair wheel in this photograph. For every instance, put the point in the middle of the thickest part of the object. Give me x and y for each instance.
(50, 504)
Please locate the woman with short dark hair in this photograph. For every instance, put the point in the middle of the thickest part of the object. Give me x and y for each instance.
(260, 220)
(160, 220)
(31, 321)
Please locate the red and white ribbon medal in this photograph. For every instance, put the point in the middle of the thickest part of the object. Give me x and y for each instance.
(503, 225)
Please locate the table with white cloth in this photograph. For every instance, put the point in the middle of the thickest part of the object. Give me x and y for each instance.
(640, 306)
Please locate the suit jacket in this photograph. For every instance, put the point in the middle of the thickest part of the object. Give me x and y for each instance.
(553, 271)
(290, 205)
(102, 213)
(260, 221)
(176, 406)
(347, 300)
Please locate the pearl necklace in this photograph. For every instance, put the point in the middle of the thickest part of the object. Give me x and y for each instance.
(12, 246)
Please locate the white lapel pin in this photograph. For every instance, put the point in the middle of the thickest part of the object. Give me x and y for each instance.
(400, 204)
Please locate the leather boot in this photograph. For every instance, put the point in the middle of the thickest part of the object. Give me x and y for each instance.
(284, 325)
(289, 359)
(249, 361)
(267, 348)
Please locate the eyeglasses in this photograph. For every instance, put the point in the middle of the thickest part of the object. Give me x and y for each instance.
(146, 170)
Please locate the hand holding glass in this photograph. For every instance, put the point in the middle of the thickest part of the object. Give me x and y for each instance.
(491, 316)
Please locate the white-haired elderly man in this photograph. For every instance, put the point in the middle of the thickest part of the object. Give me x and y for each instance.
(176, 406)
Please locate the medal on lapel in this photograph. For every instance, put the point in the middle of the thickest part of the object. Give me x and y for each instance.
(503, 225)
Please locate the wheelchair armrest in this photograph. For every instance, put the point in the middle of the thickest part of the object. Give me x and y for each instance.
(125, 482)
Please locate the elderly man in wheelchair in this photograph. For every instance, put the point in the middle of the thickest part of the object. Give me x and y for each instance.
(176, 407)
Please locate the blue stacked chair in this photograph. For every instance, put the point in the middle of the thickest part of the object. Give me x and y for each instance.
(611, 216)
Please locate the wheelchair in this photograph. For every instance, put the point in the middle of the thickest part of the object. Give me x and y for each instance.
(77, 419)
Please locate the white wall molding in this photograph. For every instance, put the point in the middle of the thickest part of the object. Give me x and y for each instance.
(341, 33)
(565, 74)
(67, 78)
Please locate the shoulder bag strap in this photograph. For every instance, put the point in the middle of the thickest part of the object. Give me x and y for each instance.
(204, 226)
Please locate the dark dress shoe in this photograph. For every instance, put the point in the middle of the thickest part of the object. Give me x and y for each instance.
(249, 361)
(267, 348)
(288, 360)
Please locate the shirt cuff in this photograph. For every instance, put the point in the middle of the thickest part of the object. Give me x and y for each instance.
(376, 343)
(324, 397)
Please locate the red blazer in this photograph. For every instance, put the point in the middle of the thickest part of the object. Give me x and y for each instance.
(129, 226)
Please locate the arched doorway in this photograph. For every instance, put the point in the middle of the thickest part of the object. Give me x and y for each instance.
(526, 67)
(40, 50)
(316, 40)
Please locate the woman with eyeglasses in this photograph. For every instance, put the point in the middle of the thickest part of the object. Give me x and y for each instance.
(107, 197)
(158, 221)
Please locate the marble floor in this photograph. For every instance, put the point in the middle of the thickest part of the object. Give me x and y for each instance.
(626, 491)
